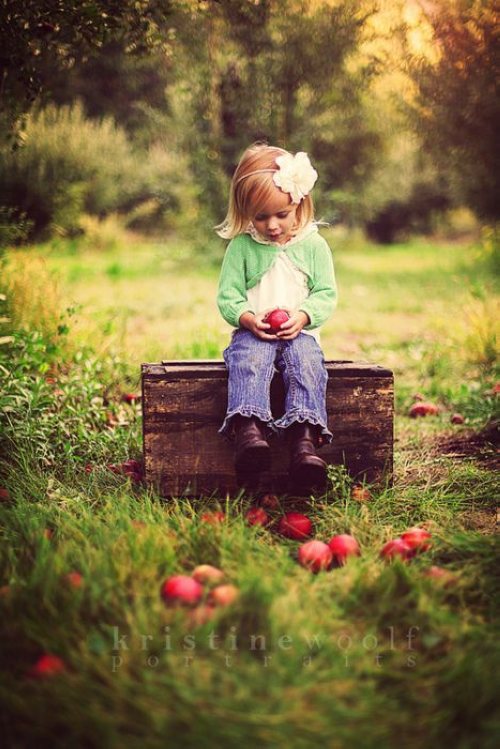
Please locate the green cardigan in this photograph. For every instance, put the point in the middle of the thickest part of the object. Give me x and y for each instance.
(246, 261)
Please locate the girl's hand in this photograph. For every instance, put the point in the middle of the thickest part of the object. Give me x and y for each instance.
(292, 327)
(255, 324)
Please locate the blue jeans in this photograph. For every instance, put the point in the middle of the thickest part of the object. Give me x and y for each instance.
(251, 364)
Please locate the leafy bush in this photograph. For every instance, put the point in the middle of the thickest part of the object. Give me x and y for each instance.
(60, 415)
(14, 227)
(70, 164)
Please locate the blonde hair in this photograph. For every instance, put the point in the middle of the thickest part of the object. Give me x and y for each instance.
(251, 188)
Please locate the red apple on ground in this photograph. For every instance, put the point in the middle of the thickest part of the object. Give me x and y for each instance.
(417, 539)
(457, 419)
(295, 525)
(342, 547)
(360, 493)
(275, 318)
(74, 579)
(130, 397)
(205, 573)
(46, 666)
(424, 408)
(257, 516)
(213, 518)
(441, 574)
(181, 589)
(269, 502)
(315, 556)
(201, 615)
(223, 595)
(4, 494)
(396, 548)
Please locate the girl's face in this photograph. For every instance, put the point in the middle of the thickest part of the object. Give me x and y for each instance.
(277, 218)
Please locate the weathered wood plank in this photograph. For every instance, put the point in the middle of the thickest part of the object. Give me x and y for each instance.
(184, 404)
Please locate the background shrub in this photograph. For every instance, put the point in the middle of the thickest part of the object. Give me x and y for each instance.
(68, 165)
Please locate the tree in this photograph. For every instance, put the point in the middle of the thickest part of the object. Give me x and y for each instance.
(43, 35)
(457, 109)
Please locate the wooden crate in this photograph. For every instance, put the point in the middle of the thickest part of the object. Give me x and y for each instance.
(184, 403)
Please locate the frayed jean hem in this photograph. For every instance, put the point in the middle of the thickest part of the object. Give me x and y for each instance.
(301, 417)
(226, 429)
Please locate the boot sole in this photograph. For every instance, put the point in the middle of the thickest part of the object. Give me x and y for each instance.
(254, 459)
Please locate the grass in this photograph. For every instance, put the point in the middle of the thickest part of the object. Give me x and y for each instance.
(367, 655)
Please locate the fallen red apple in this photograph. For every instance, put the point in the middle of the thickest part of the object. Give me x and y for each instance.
(212, 518)
(315, 556)
(295, 525)
(396, 548)
(257, 516)
(132, 465)
(74, 579)
(223, 595)
(457, 419)
(423, 408)
(417, 539)
(206, 573)
(46, 666)
(275, 318)
(360, 493)
(130, 397)
(181, 589)
(4, 494)
(201, 615)
(441, 574)
(269, 502)
(343, 546)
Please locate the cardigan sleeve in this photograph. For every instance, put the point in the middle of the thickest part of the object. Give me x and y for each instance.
(232, 299)
(322, 298)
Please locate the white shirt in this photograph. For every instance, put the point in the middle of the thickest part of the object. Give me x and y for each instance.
(283, 284)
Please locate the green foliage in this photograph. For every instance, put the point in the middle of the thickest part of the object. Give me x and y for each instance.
(280, 72)
(14, 227)
(40, 37)
(64, 416)
(456, 109)
(69, 164)
(357, 653)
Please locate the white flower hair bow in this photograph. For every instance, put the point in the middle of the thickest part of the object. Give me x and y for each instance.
(295, 175)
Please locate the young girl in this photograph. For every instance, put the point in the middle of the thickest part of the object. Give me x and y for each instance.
(275, 259)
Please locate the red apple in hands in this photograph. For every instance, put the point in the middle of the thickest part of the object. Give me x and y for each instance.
(275, 318)
(181, 589)
(418, 539)
(295, 525)
(396, 548)
(343, 546)
(315, 556)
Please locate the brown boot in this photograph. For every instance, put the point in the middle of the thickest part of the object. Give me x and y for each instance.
(253, 453)
(307, 470)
